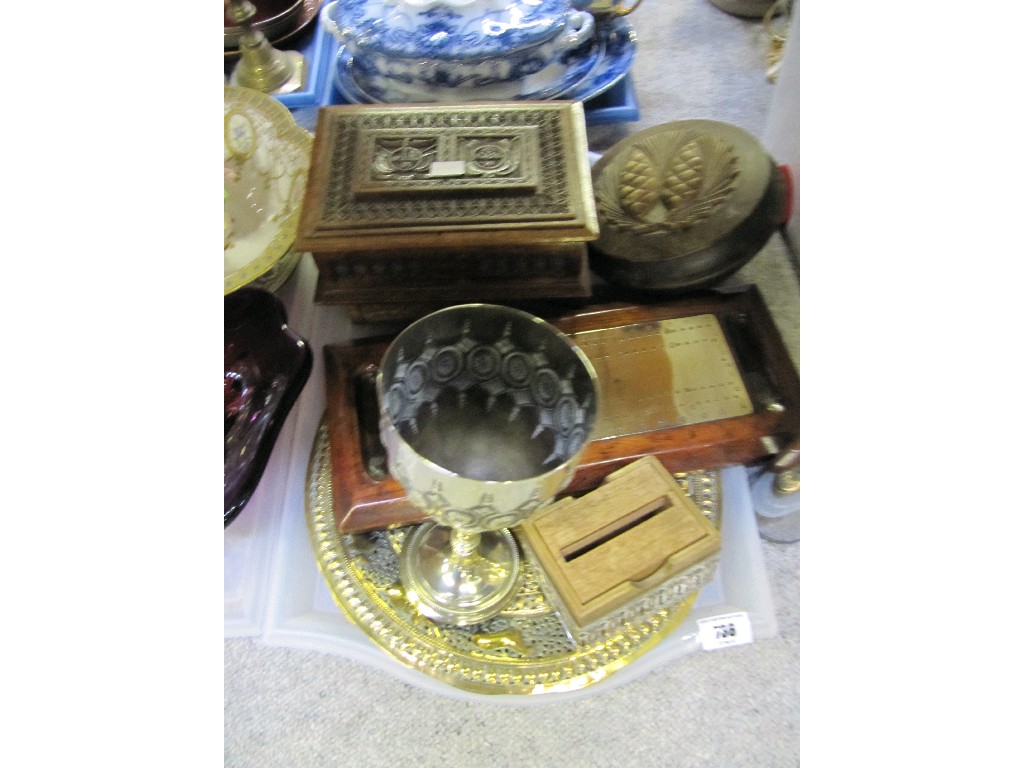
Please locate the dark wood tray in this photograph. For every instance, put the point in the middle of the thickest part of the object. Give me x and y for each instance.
(366, 497)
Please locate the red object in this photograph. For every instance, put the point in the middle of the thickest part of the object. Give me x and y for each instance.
(787, 206)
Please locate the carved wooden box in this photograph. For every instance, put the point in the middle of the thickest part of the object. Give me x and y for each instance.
(633, 545)
(420, 204)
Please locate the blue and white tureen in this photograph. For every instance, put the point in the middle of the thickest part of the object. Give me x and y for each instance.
(430, 45)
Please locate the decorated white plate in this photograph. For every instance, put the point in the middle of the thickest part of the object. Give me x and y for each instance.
(266, 160)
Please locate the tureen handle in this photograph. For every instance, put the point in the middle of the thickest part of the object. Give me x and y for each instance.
(579, 26)
(327, 22)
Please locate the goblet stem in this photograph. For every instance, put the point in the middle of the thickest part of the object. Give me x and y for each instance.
(457, 577)
(464, 543)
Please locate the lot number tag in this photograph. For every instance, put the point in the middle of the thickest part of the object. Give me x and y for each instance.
(724, 631)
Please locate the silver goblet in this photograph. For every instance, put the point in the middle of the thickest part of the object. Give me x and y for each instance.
(485, 412)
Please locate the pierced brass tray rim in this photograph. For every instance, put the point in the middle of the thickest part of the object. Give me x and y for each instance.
(568, 671)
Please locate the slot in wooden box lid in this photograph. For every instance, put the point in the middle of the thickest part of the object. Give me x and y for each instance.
(631, 534)
(416, 178)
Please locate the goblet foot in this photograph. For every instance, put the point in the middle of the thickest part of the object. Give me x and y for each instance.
(459, 578)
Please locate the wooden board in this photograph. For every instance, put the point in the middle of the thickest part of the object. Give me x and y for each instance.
(366, 497)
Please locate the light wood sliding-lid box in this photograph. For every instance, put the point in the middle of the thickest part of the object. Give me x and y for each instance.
(396, 189)
(635, 544)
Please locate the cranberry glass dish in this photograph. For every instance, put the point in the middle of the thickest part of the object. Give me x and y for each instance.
(266, 365)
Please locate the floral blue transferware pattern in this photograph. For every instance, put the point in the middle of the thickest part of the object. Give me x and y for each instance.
(440, 45)
(614, 47)
(450, 29)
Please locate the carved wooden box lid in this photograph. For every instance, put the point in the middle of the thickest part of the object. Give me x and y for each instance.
(429, 176)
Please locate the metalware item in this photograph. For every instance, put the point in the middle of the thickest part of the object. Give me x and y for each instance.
(776, 500)
(308, 16)
(750, 9)
(263, 67)
(484, 414)
(523, 651)
(602, 10)
(273, 18)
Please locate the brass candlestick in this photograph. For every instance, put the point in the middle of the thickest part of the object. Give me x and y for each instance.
(263, 67)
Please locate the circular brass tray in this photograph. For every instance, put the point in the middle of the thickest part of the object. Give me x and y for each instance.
(524, 650)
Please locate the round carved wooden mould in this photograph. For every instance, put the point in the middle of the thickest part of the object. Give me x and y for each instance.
(683, 205)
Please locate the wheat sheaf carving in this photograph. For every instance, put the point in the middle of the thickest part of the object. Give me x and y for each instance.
(667, 183)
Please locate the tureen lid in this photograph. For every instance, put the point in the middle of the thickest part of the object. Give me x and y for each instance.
(449, 29)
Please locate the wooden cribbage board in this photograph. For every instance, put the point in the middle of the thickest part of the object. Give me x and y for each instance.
(699, 383)
(663, 374)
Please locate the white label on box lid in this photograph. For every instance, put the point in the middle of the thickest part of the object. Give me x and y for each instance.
(724, 631)
(447, 168)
